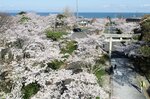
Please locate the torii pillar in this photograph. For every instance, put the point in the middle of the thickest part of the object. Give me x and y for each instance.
(110, 47)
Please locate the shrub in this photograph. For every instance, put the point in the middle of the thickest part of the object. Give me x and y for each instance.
(107, 24)
(19, 43)
(55, 65)
(118, 31)
(6, 86)
(137, 37)
(146, 36)
(29, 90)
(113, 23)
(110, 23)
(145, 27)
(24, 19)
(70, 47)
(102, 59)
(3, 53)
(97, 31)
(145, 50)
(54, 35)
(65, 56)
(60, 16)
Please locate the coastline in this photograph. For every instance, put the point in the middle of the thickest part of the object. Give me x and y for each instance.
(94, 14)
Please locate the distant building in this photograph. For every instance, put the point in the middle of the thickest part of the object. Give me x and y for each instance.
(84, 22)
(133, 19)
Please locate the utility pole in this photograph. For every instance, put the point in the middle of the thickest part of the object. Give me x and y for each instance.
(110, 42)
(77, 14)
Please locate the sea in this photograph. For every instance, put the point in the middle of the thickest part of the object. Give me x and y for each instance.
(97, 14)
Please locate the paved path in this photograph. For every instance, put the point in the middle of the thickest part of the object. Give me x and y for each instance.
(124, 81)
(78, 35)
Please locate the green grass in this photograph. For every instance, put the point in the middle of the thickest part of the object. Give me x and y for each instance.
(97, 97)
(99, 74)
(55, 35)
(30, 90)
(70, 47)
(99, 69)
(55, 64)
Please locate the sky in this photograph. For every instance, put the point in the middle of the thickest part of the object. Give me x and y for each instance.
(84, 5)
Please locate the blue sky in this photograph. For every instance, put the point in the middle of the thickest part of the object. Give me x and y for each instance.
(84, 5)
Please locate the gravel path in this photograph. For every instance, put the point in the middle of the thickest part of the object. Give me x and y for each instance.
(124, 81)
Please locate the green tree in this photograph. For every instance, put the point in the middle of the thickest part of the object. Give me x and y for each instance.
(145, 27)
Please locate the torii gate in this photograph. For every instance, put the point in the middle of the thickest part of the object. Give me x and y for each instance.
(118, 38)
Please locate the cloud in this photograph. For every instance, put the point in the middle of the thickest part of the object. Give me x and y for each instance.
(106, 6)
(123, 6)
(12, 5)
(146, 5)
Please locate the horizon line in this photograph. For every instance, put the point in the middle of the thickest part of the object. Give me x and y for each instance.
(17, 11)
